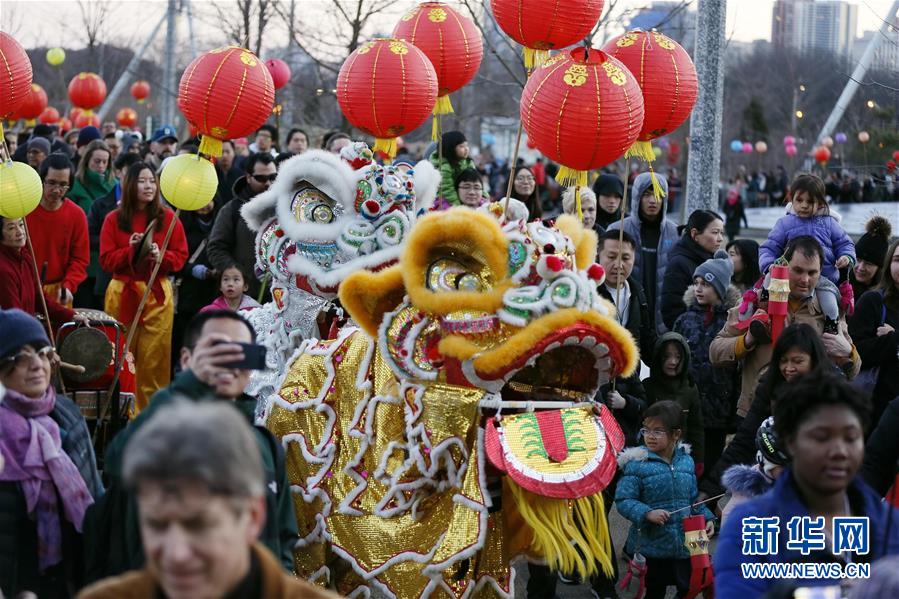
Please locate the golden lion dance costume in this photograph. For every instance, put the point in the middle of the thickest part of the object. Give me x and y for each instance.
(418, 465)
(324, 218)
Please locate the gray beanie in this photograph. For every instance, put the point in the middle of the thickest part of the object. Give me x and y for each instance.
(717, 272)
(40, 143)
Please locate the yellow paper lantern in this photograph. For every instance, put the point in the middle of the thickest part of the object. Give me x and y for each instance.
(56, 56)
(188, 182)
(20, 189)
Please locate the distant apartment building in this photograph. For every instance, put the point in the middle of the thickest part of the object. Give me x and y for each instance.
(815, 25)
(886, 57)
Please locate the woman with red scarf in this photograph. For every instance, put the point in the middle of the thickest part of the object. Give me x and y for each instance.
(130, 259)
(48, 471)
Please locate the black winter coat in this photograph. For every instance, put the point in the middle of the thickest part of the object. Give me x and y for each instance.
(18, 532)
(193, 293)
(639, 319)
(232, 241)
(877, 351)
(630, 417)
(682, 262)
(95, 217)
(882, 451)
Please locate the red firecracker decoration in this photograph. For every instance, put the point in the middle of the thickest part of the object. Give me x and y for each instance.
(822, 154)
(666, 75)
(87, 90)
(49, 116)
(702, 578)
(140, 91)
(126, 117)
(279, 71)
(582, 112)
(541, 26)
(226, 93)
(451, 42)
(386, 88)
(15, 76)
(34, 103)
(87, 118)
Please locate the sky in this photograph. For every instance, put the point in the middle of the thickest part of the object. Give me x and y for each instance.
(38, 23)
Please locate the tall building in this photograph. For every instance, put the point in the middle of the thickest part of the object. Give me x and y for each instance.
(886, 57)
(815, 25)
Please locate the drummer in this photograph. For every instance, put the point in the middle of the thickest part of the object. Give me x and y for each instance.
(130, 253)
(20, 287)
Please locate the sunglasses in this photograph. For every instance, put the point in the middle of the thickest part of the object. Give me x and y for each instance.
(24, 357)
(265, 178)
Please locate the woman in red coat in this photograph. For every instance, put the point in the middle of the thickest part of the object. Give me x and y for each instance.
(130, 262)
(18, 286)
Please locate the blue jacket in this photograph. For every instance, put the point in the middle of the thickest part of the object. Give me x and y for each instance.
(650, 483)
(823, 227)
(667, 238)
(719, 386)
(784, 502)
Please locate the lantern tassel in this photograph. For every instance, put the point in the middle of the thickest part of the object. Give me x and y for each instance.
(642, 150)
(569, 177)
(385, 145)
(444, 105)
(435, 127)
(210, 146)
(657, 190)
(534, 59)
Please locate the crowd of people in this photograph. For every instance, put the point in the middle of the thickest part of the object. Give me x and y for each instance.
(784, 413)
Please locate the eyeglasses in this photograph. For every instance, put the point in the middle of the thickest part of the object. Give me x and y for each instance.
(265, 178)
(56, 184)
(655, 433)
(22, 358)
(469, 187)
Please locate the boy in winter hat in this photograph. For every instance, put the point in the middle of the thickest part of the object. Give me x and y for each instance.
(708, 301)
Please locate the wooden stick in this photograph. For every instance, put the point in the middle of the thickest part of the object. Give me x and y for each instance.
(134, 323)
(512, 164)
(73, 367)
(627, 168)
(692, 505)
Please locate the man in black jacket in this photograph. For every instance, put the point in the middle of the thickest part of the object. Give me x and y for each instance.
(231, 240)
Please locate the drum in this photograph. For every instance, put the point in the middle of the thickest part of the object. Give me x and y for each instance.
(97, 347)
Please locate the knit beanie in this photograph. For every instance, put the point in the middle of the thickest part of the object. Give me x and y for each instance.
(20, 329)
(87, 135)
(608, 185)
(42, 144)
(717, 272)
(872, 246)
(450, 140)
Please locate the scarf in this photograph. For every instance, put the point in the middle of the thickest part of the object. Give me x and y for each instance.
(32, 449)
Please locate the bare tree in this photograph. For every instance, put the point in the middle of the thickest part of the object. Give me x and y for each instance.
(12, 19)
(95, 16)
(244, 22)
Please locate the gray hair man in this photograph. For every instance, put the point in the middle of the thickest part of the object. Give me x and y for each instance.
(196, 472)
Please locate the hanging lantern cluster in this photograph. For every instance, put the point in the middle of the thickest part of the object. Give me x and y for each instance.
(451, 42)
(541, 26)
(582, 109)
(387, 87)
(226, 93)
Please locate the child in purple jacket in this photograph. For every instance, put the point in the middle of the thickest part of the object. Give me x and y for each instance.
(808, 214)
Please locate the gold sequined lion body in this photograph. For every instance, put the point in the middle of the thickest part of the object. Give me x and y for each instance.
(411, 474)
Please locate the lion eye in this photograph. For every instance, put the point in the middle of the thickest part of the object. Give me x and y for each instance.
(449, 275)
(310, 205)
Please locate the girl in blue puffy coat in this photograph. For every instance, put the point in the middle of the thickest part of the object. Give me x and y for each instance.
(656, 492)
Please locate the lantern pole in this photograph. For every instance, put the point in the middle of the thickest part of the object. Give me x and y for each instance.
(512, 164)
(627, 170)
(135, 321)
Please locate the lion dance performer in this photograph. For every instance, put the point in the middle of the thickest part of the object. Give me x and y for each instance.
(453, 428)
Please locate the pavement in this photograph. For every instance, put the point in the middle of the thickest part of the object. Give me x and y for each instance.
(852, 216)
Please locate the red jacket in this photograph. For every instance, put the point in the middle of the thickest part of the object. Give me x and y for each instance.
(118, 257)
(60, 240)
(19, 288)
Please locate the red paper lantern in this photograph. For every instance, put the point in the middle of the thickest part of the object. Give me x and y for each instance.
(34, 103)
(65, 125)
(822, 154)
(140, 91)
(667, 77)
(16, 77)
(582, 113)
(541, 26)
(896, 155)
(126, 117)
(386, 88)
(279, 71)
(451, 42)
(226, 93)
(87, 90)
(75, 112)
(87, 118)
(49, 116)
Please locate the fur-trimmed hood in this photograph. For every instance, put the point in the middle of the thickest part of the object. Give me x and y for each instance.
(732, 297)
(746, 480)
(642, 453)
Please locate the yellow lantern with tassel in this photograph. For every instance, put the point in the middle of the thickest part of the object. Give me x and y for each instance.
(188, 182)
(20, 189)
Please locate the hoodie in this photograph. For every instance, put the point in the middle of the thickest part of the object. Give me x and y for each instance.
(681, 389)
(654, 241)
(718, 387)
